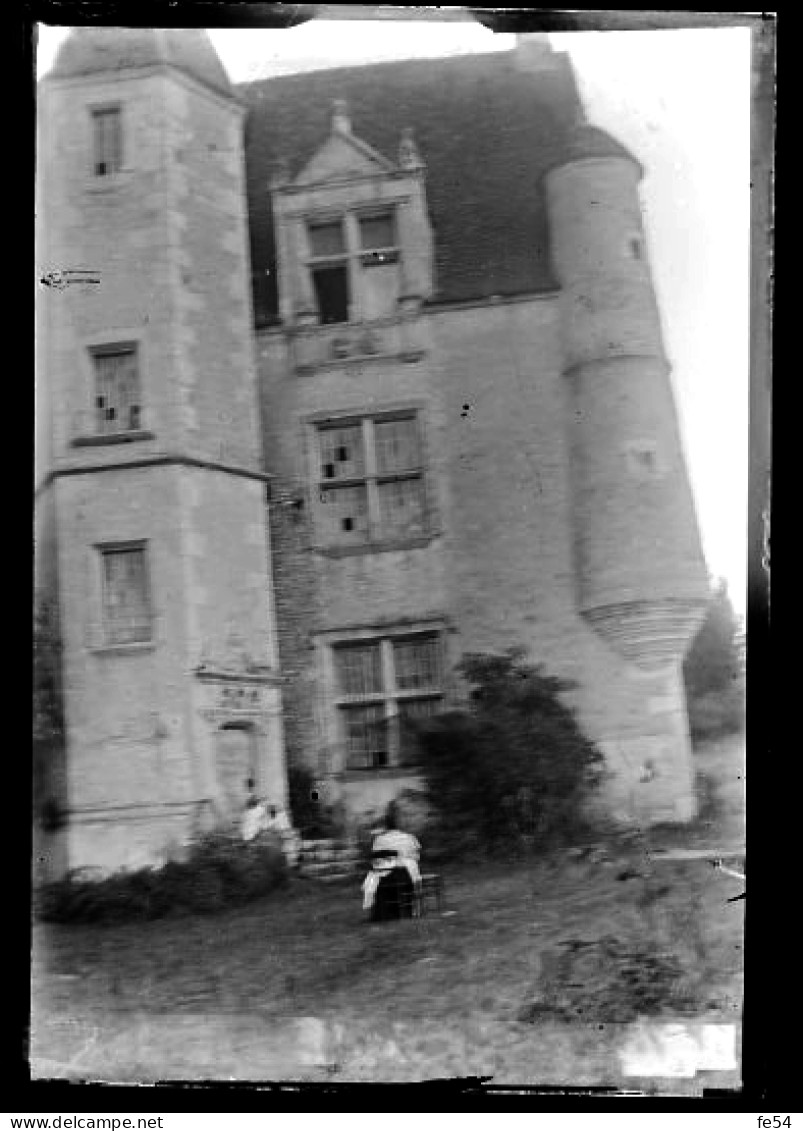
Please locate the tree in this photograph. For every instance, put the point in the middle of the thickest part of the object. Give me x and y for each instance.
(514, 767)
(713, 671)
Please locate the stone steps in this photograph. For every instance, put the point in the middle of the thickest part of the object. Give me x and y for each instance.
(329, 859)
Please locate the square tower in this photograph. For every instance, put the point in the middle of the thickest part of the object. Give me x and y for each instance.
(152, 499)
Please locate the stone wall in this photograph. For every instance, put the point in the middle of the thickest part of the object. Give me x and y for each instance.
(502, 569)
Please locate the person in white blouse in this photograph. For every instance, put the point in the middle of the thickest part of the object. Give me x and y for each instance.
(278, 823)
(392, 887)
(254, 818)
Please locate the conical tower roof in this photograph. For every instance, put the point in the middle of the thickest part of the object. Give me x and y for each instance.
(101, 50)
(584, 142)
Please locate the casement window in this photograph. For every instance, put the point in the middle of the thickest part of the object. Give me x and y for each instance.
(371, 481)
(126, 602)
(329, 270)
(385, 686)
(118, 403)
(377, 239)
(353, 262)
(107, 141)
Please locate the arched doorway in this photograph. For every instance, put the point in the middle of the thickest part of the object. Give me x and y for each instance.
(235, 765)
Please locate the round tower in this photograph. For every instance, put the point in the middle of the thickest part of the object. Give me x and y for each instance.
(640, 572)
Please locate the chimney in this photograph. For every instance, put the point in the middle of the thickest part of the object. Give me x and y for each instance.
(534, 52)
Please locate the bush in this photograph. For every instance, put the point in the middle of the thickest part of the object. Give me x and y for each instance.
(716, 714)
(714, 672)
(512, 771)
(219, 872)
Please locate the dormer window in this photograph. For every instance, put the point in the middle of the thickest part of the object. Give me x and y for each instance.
(353, 238)
(378, 240)
(331, 283)
(353, 262)
(326, 240)
(329, 270)
(107, 141)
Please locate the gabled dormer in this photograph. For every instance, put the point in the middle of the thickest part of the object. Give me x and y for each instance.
(353, 239)
(343, 156)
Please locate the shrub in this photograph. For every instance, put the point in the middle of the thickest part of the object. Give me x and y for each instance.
(219, 872)
(717, 713)
(714, 672)
(513, 770)
(413, 810)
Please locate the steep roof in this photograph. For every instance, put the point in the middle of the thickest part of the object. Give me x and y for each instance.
(486, 127)
(92, 50)
(585, 142)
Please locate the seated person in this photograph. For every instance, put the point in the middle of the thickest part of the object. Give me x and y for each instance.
(391, 888)
(278, 823)
(254, 818)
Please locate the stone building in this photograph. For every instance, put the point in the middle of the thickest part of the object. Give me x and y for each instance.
(343, 375)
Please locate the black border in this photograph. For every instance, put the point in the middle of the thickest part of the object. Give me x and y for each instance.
(770, 1029)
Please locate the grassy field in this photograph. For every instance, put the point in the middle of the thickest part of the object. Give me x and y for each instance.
(298, 986)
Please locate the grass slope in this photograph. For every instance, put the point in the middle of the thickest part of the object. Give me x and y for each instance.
(298, 986)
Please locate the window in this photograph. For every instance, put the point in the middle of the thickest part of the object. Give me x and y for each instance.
(126, 595)
(353, 264)
(378, 239)
(327, 240)
(371, 481)
(384, 688)
(117, 390)
(107, 141)
(331, 286)
(329, 269)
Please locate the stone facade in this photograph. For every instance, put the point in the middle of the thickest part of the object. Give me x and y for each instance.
(384, 466)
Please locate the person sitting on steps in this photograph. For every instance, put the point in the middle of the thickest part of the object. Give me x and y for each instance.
(278, 823)
(254, 817)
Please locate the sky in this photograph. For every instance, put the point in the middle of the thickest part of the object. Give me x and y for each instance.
(680, 100)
